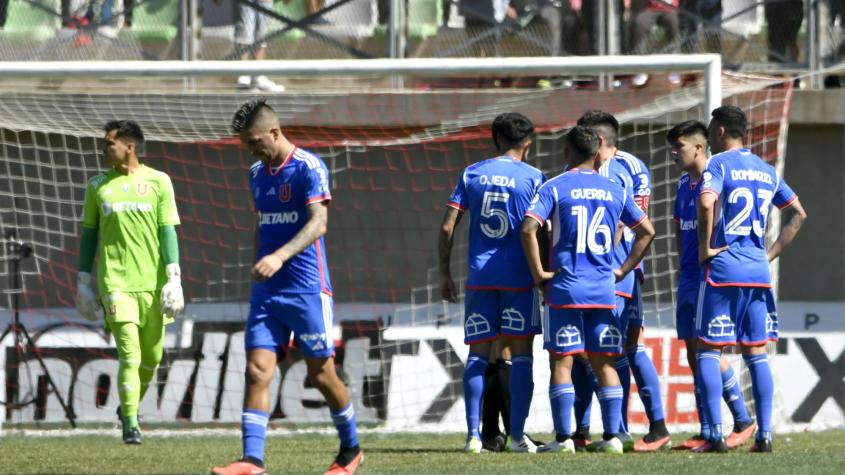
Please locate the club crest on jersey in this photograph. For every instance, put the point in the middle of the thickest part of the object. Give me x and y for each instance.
(284, 193)
(142, 188)
(126, 188)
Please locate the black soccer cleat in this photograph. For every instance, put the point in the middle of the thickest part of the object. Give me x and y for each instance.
(762, 445)
(132, 436)
(494, 444)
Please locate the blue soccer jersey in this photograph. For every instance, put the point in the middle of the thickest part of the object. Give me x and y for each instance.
(616, 172)
(496, 192)
(687, 218)
(746, 187)
(584, 208)
(641, 184)
(281, 197)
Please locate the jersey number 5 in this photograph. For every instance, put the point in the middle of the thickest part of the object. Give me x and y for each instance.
(488, 211)
(587, 235)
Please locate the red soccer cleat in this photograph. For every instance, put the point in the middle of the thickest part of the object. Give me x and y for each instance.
(240, 467)
(740, 434)
(692, 443)
(644, 446)
(349, 468)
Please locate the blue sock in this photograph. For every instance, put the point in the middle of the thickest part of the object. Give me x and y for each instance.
(254, 429)
(763, 387)
(699, 405)
(522, 388)
(648, 382)
(711, 389)
(473, 390)
(610, 400)
(623, 369)
(585, 383)
(347, 430)
(733, 396)
(562, 397)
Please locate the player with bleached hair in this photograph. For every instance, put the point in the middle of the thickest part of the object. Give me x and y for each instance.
(130, 216)
(292, 292)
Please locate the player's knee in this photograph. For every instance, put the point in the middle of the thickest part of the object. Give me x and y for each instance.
(259, 373)
(322, 380)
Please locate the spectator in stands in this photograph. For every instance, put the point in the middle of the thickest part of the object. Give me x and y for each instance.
(784, 19)
(699, 17)
(647, 14)
(250, 30)
(314, 6)
(591, 23)
(4, 6)
(542, 14)
(479, 17)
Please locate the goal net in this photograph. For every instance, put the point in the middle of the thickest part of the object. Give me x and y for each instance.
(394, 154)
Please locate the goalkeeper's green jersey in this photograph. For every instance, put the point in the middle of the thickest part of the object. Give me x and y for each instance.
(128, 211)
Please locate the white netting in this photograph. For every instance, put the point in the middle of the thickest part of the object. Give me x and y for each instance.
(394, 156)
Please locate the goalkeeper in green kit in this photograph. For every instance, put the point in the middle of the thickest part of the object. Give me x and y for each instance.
(130, 215)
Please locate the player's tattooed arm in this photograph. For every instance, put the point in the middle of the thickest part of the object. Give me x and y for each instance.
(793, 217)
(444, 252)
(318, 217)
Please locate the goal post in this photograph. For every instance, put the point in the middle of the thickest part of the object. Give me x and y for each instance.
(393, 153)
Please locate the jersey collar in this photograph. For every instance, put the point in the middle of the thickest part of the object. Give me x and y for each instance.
(285, 162)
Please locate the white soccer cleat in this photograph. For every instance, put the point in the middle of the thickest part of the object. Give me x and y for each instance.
(523, 445)
(244, 82)
(473, 445)
(565, 447)
(612, 446)
(263, 83)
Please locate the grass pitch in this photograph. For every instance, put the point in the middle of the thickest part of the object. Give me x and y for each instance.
(816, 453)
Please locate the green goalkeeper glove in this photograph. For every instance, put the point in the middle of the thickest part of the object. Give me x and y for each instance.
(172, 300)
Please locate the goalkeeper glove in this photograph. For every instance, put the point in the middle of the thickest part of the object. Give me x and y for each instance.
(172, 300)
(86, 300)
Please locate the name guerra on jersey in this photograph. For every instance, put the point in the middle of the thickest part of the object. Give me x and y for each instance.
(751, 175)
(590, 194)
(278, 218)
(497, 180)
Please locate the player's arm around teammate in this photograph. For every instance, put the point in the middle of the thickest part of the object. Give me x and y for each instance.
(130, 210)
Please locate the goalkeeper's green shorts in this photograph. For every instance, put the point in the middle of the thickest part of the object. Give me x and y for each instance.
(140, 308)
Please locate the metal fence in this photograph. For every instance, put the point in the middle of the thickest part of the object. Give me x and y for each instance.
(752, 35)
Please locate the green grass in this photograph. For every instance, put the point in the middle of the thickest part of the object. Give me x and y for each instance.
(814, 453)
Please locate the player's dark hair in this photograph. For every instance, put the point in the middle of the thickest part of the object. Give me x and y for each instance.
(509, 130)
(732, 119)
(602, 122)
(585, 142)
(687, 128)
(248, 113)
(127, 130)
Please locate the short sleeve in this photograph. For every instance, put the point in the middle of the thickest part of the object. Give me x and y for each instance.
(632, 216)
(784, 196)
(712, 179)
(541, 205)
(458, 198)
(317, 184)
(167, 212)
(90, 210)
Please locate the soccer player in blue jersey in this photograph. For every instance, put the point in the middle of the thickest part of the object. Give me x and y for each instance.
(737, 303)
(688, 143)
(500, 295)
(584, 208)
(292, 291)
(631, 173)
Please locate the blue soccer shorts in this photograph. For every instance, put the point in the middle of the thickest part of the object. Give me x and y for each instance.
(686, 309)
(490, 313)
(273, 316)
(728, 315)
(568, 331)
(633, 311)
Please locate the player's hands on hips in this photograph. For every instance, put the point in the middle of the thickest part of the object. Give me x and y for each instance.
(86, 300)
(706, 255)
(543, 277)
(172, 299)
(266, 267)
(618, 274)
(447, 289)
